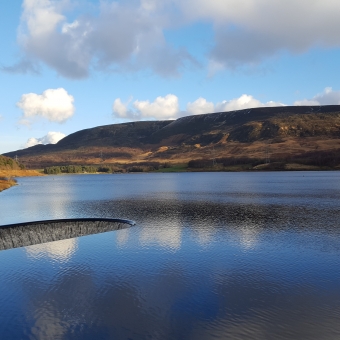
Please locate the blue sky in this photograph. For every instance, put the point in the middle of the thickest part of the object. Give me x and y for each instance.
(67, 65)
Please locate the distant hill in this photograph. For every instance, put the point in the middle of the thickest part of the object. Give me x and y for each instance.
(256, 133)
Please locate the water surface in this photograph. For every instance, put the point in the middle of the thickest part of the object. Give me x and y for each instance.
(213, 256)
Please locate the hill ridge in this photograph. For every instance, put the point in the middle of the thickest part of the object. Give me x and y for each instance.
(233, 133)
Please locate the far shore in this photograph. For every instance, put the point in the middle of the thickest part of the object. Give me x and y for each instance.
(182, 167)
(7, 177)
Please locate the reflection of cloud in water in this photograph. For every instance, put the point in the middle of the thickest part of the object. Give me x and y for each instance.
(248, 237)
(166, 237)
(48, 325)
(122, 237)
(59, 250)
(205, 235)
(55, 206)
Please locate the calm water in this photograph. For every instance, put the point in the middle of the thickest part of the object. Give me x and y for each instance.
(213, 256)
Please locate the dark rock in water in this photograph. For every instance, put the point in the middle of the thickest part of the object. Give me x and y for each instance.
(27, 234)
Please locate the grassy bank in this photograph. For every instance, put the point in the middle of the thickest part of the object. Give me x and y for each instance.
(174, 168)
(6, 183)
(7, 177)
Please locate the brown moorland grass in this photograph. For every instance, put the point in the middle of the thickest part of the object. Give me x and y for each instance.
(5, 184)
(182, 153)
(6, 177)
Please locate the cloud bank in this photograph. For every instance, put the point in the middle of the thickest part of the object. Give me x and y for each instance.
(327, 97)
(51, 138)
(120, 36)
(247, 32)
(243, 102)
(55, 105)
(131, 35)
(167, 107)
(161, 108)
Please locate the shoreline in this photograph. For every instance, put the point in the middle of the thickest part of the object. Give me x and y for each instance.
(7, 177)
(201, 170)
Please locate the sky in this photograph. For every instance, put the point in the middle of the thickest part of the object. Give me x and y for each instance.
(68, 65)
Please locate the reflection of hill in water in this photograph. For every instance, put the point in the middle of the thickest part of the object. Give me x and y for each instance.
(27, 234)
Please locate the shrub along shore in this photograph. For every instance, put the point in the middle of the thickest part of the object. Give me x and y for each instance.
(6, 183)
(108, 168)
(306, 161)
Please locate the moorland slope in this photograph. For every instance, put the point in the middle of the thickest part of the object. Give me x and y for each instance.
(280, 133)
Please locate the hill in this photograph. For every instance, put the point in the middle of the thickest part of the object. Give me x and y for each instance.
(278, 133)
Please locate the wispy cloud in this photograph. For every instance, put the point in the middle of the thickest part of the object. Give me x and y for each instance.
(23, 66)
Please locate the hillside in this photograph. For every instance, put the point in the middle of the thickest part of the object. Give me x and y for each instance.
(278, 133)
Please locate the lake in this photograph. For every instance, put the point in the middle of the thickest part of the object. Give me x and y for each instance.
(212, 256)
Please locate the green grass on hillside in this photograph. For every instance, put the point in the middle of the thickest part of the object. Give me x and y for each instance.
(174, 168)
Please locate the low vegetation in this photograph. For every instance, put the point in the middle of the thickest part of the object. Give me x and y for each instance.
(318, 158)
(115, 168)
(6, 183)
(70, 169)
(9, 169)
(315, 160)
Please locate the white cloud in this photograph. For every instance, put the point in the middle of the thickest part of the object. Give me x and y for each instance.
(247, 32)
(41, 16)
(243, 102)
(327, 97)
(51, 138)
(161, 108)
(31, 142)
(120, 109)
(121, 35)
(167, 107)
(200, 106)
(56, 105)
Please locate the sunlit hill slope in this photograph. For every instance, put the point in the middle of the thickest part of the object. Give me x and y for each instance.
(278, 134)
